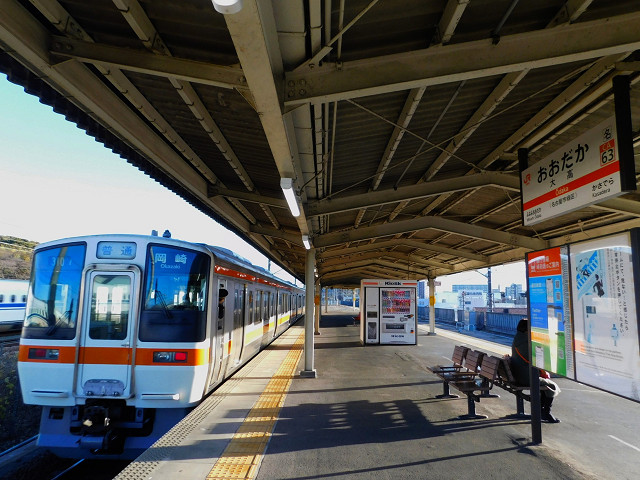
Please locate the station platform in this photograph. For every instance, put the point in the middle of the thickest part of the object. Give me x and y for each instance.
(372, 412)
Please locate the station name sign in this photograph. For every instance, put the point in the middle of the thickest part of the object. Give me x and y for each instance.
(581, 173)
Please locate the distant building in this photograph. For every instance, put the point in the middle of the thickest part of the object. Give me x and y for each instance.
(422, 289)
(513, 292)
(470, 288)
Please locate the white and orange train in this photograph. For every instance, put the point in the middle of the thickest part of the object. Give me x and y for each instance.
(125, 334)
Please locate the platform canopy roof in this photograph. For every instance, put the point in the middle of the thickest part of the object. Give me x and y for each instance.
(398, 121)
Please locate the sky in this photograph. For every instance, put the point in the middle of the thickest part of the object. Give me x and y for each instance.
(58, 182)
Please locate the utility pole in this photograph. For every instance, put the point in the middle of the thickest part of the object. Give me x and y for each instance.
(489, 294)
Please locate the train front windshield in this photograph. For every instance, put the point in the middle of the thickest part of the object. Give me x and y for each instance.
(175, 295)
(52, 307)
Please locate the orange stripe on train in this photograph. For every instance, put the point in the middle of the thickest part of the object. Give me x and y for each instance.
(113, 355)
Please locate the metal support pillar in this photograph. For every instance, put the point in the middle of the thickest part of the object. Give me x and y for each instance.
(432, 306)
(534, 375)
(310, 284)
(316, 323)
(326, 300)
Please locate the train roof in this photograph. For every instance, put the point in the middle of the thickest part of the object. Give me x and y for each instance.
(220, 253)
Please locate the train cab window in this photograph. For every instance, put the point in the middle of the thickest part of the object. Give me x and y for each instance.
(56, 278)
(109, 317)
(175, 295)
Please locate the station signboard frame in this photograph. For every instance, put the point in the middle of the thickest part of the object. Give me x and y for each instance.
(596, 166)
(584, 172)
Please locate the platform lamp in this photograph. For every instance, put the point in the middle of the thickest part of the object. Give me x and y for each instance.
(227, 6)
(292, 199)
(306, 242)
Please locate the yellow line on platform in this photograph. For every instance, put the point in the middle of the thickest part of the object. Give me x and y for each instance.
(241, 459)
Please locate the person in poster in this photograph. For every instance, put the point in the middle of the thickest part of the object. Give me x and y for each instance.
(604, 311)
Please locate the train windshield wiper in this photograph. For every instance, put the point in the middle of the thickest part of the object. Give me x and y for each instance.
(64, 318)
(163, 302)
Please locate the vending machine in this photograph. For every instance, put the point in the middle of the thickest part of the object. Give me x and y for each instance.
(388, 312)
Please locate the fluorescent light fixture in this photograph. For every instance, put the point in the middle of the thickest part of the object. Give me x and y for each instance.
(287, 188)
(305, 242)
(227, 6)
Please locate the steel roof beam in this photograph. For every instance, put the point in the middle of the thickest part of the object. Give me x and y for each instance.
(441, 64)
(406, 258)
(570, 12)
(562, 106)
(255, 38)
(449, 21)
(454, 252)
(438, 223)
(413, 192)
(277, 233)
(149, 63)
(28, 41)
(502, 90)
(215, 190)
(145, 30)
(383, 263)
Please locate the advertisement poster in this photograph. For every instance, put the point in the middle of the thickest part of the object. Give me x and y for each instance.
(550, 315)
(607, 354)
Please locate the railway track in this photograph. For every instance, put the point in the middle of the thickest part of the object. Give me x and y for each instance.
(26, 461)
(8, 341)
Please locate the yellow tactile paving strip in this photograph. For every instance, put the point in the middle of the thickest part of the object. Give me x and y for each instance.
(241, 459)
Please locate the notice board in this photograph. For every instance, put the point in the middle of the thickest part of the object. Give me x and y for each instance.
(549, 310)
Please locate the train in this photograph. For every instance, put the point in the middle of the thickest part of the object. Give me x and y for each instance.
(125, 334)
(13, 302)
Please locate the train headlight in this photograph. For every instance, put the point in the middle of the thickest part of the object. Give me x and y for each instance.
(169, 357)
(44, 353)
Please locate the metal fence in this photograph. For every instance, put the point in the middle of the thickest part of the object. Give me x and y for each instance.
(490, 321)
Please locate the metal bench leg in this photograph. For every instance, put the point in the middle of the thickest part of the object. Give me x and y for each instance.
(445, 391)
(520, 408)
(471, 409)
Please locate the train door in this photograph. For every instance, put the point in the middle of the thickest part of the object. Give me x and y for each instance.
(107, 340)
(221, 332)
(237, 335)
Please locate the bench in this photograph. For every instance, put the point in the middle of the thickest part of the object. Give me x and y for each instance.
(459, 354)
(466, 364)
(480, 385)
(506, 381)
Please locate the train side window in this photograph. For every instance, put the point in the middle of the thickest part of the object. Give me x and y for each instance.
(265, 307)
(251, 308)
(13, 299)
(1, 298)
(258, 316)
